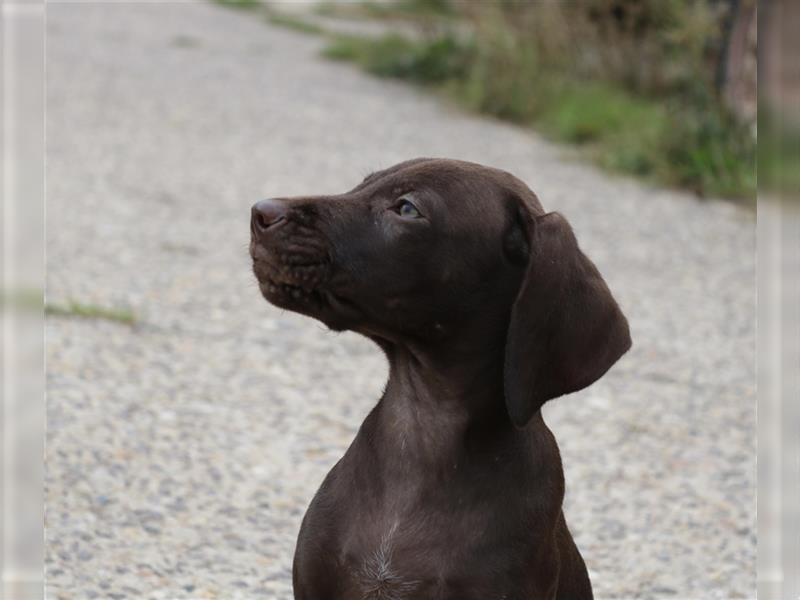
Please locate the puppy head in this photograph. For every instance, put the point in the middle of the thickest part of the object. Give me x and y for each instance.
(413, 253)
(425, 250)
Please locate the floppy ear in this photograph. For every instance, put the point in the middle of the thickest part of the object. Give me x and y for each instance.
(566, 329)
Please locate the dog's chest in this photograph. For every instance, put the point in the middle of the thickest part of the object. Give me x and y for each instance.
(380, 564)
(413, 556)
(392, 535)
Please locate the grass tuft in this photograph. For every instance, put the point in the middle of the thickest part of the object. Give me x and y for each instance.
(393, 55)
(91, 311)
(617, 129)
(240, 4)
(408, 10)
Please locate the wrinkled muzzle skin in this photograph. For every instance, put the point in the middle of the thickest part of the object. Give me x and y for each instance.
(292, 261)
(365, 262)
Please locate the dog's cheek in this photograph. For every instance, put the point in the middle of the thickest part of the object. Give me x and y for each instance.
(394, 303)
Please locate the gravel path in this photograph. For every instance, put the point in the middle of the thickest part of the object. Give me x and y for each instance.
(182, 451)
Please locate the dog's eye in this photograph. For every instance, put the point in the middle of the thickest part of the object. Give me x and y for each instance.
(405, 208)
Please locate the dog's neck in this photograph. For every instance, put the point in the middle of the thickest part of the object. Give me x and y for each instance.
(441, 405)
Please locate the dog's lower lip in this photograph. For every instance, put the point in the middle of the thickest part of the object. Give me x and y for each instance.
(322, 298)
(295, 291)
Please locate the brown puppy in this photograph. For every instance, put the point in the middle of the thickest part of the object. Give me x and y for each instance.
(485, 308)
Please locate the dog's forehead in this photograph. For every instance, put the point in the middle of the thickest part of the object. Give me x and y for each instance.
(438, 172)
(473, 196)
(458, 183)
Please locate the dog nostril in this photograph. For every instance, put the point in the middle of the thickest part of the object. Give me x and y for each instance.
(266, 213)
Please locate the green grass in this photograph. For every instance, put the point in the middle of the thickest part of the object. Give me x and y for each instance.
(708, 152)
(294, 23)
(91, 311)
(618, 130)
(584, 113)
(240, 4)
(681, 138)
(674, 143)
(396, 10)
(431, 61)
(348, 47)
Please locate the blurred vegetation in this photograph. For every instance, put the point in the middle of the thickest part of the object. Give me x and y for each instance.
(241, 4)
(432, 60)
(91, 311)
(398, 9)
(631, 81)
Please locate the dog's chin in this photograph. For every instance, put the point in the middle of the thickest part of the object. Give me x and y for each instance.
(335, 311)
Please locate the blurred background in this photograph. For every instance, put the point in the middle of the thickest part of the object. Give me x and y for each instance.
(664, 90)
(189, 423)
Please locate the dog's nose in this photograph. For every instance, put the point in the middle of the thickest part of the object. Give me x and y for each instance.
(267, 213)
